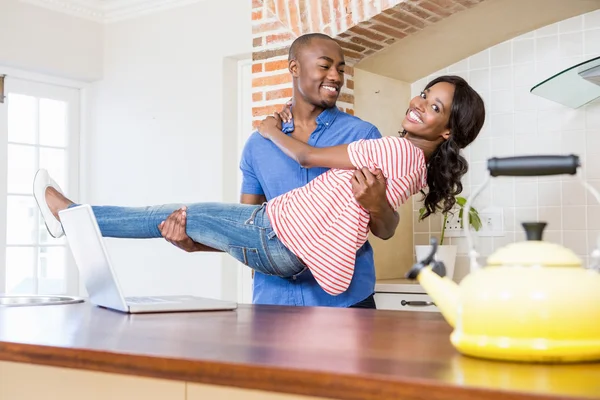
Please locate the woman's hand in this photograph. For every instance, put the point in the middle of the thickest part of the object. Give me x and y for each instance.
(269, 125)
(275, 122)
(286, 112)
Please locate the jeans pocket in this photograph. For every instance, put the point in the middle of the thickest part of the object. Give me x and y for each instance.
(250, 257)
(286, 263)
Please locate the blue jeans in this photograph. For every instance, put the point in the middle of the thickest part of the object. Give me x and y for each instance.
(241, 230)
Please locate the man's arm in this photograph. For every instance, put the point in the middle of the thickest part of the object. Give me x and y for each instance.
(370, 192)
(252, 198)
(384, 222)
(251, 191)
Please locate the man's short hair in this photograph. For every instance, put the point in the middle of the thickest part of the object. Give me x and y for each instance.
(303, 41)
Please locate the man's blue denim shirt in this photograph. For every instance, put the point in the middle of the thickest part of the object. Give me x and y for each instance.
(268, 171)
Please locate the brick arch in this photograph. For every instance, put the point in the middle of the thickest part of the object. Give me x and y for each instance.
(361, 27)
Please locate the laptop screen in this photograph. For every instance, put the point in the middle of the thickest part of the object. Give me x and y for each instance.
(92, 259)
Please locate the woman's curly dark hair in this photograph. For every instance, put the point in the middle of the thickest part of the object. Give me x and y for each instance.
(446, 165)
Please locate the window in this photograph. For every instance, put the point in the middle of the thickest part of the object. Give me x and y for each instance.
(41, 122)
(244, 111)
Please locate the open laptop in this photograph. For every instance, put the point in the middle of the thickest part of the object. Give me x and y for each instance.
(91, 256)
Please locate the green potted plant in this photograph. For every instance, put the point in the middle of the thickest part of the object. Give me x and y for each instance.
(445, 252)
(474, 219)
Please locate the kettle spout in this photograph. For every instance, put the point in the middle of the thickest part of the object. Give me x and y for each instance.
(443, 290)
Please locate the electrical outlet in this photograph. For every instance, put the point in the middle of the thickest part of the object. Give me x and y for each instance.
(492, 221)
(453, 225)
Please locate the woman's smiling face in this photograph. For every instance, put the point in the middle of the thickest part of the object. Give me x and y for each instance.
(429, 113)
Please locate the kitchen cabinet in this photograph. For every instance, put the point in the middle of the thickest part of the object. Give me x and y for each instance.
(54, 383)
(403, 295)
(197, 391)
(405, 302)
(37, 382)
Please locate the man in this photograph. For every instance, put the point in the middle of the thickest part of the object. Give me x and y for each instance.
(316, 63)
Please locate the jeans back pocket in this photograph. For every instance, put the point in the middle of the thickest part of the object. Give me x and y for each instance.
(250, 257)
(283, 260)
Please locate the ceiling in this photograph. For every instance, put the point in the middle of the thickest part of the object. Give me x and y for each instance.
(106, 11)
(466, 33)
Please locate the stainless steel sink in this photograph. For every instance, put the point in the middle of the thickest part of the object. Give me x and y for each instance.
(36, 300)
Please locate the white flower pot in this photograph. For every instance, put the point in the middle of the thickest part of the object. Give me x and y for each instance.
(445, 253)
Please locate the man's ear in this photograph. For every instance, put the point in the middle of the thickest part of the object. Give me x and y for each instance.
(293, 67)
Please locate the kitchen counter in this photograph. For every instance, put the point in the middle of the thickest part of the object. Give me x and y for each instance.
(287, 351)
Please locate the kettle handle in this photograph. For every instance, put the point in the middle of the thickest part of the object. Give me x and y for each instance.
(530, 166)
(533, 165)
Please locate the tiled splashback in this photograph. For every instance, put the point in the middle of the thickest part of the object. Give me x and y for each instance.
(519, 123)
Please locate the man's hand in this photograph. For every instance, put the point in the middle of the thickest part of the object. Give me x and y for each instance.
(369, 190)
(173, 230)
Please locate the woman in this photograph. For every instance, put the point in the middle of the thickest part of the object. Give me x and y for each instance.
(319, 226)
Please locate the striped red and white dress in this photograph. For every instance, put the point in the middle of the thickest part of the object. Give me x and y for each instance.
(323, 224)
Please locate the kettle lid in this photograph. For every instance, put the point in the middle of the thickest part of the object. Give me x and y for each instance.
(534, 251)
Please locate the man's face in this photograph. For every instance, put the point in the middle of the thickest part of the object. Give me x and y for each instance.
(319, 72)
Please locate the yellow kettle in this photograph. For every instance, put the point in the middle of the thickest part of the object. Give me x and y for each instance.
(533, 301)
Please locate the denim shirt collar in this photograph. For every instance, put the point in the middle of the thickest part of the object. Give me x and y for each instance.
(328, 116)
(325, 118)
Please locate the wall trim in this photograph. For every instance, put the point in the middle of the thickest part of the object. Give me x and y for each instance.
(41, 78)
(111, 10)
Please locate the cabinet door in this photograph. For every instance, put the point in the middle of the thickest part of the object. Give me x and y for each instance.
(35, 382)
(196, 391)
(405, 302)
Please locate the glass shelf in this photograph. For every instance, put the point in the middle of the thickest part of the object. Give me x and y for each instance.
(569, 87)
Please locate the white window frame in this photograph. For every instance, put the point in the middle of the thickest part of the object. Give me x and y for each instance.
(244, 97)
(75, 147)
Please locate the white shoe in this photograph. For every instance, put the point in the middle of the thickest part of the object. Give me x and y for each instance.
(41, 181)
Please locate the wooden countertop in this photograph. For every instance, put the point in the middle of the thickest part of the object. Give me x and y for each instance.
(338, 353)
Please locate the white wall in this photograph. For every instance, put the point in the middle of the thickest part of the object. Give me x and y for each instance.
(519, 123)
(155, 133)
(43, 41)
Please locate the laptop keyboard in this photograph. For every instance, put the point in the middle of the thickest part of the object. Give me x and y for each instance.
(146, 300)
